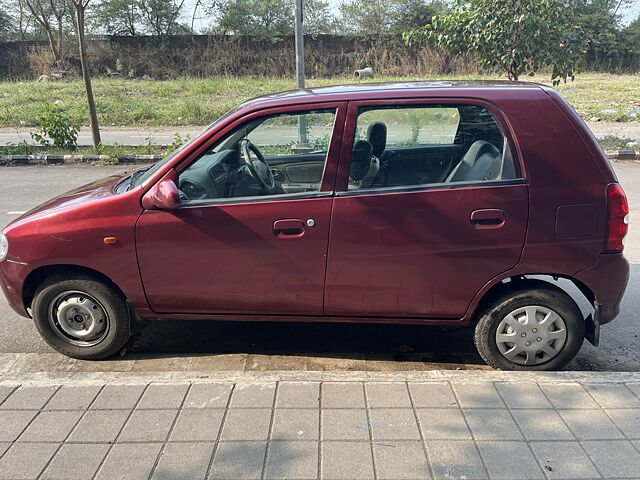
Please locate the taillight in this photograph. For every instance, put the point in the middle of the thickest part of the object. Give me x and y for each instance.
(617, 217)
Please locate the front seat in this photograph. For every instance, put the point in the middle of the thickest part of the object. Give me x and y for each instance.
(377, 137)
(483, 161)
(360, 164)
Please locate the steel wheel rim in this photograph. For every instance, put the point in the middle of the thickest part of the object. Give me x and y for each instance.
(79, 318)
(531, 335)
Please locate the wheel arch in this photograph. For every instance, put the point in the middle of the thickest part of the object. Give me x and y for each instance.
(39, 275)
(505, 285)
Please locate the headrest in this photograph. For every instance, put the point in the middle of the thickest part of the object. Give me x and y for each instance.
(377, 136)
(360, 160)
(477, 149)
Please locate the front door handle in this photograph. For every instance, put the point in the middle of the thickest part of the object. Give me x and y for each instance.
(289, 228)
(488, 218)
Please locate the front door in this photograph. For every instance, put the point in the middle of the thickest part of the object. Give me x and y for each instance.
(441, 210)
(251, 234)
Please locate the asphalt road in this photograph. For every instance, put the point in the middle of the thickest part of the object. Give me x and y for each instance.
(22, 188)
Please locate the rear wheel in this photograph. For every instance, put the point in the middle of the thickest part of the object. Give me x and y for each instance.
(534, 327)
(81, 317)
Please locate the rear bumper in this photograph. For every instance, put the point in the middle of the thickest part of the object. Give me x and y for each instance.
(608, 280)
(12, 277)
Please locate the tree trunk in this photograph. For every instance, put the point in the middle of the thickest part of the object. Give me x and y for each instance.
(93, 116)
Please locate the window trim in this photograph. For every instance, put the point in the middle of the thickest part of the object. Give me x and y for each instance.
(348, 136)
(255, 199)
(430, 186)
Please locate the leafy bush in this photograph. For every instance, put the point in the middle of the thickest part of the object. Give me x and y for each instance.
(59, 127)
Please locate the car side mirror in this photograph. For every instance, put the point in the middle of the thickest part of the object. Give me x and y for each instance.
(162, 196)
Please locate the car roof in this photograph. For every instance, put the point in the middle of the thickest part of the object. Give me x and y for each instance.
(409, 89)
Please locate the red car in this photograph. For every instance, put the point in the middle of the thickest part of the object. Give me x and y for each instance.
(432, 203)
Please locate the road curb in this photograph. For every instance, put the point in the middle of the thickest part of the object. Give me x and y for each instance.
(100, 378)
(45, 159)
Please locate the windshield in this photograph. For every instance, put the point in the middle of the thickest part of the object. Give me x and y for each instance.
(139, 179)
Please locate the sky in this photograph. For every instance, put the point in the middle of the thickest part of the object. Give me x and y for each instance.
(628, 14)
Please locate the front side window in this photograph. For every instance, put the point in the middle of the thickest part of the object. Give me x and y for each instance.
(428, 144)
(274, 155)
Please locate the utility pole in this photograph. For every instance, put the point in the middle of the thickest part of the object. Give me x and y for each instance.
(302, 119)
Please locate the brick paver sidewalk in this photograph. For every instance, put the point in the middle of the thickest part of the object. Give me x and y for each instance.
(344, 427)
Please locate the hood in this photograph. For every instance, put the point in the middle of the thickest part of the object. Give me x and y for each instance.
(85, 194)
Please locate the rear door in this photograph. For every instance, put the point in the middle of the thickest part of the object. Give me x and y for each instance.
(424, 236)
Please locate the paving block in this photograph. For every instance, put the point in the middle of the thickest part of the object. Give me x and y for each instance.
(246, 424)
(394, 424)
(455, 459)
(292, 460)
(208, 395)
(50, 427)
(298, 395)
(443, 424)
(163, 396)
(543, 424)
(148, 426)
(26, 460)
(114, 397)
(635, 388)
(568, 396)
(76, 462)
(238, 461)
(564, 460)
(346, 461)
(342, 395)
(492, 425)
(28, 398)
(437, 395)
(627, 420)
(129, 461)
(184, 461)
(99, 426)
(295, 424)
(613, 395)
(345, 424)
(73, 398)
(5, 392)
(13, 423)
(478, 395)
(391, 394)
(197, 425)
(509, 461)
(614, 458)
(401, 460)
(4, 447)
(253, 395)
(590, 424)
(523, 395)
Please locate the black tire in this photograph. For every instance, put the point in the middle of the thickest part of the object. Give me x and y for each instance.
(116, 333)
(530, 292)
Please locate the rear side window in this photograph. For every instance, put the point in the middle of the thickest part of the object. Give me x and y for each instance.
(428, 144)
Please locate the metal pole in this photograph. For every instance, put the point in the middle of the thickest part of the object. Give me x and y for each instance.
(302, 119)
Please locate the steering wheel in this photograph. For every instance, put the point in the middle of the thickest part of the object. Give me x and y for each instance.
(259, 168)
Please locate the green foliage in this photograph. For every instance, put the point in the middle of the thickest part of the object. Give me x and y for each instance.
(511, 36)
(117, 17)
(262, 18)
(57, 126)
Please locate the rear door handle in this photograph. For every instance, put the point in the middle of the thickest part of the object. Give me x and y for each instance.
(488, 218)
(289, 228)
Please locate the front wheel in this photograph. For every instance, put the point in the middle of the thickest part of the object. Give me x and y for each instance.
(535, 327)
(81, 317)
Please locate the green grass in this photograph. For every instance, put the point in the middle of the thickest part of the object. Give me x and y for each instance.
(190, 101)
